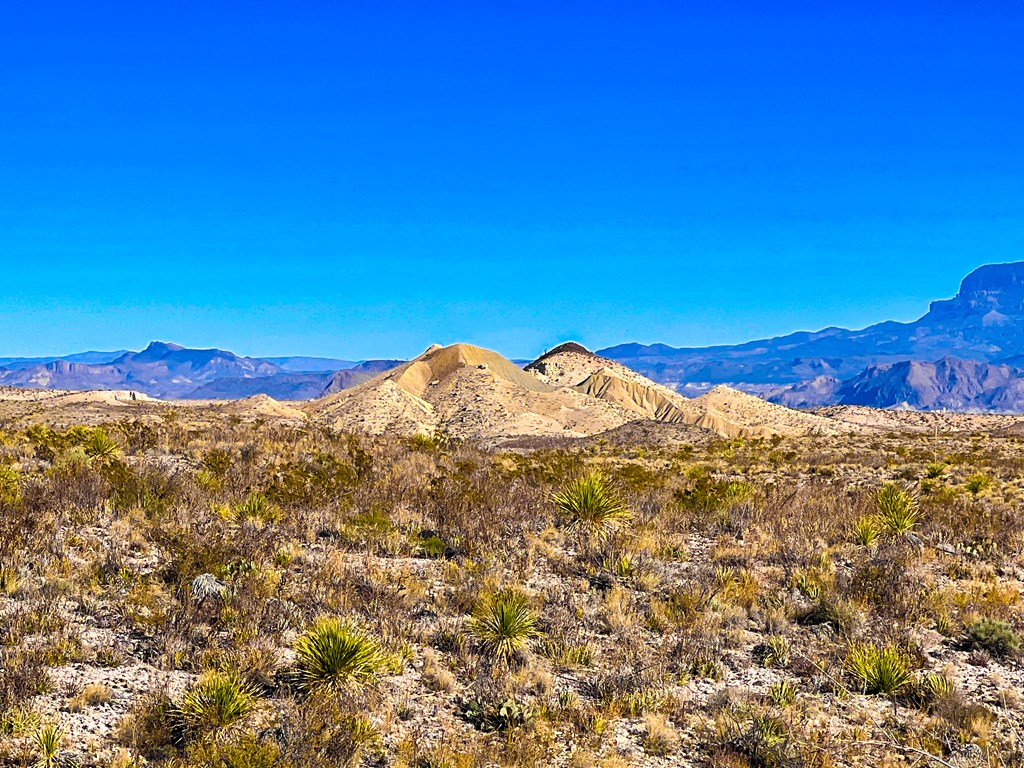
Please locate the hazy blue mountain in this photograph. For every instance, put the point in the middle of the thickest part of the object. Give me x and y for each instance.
(946, 384)
(310, 364)
(171, 371)
(983, 322)
(17, 363)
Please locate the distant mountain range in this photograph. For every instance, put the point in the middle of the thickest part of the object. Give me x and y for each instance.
(965, 353)
(170, 371)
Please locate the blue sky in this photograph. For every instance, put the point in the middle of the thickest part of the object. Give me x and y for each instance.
(362, 180)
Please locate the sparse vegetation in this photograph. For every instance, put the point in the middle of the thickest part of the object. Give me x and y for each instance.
(277, 596)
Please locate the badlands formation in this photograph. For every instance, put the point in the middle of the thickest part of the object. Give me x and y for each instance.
(474, 393)
(471, 393)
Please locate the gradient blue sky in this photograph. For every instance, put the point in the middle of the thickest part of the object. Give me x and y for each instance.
(360, 180)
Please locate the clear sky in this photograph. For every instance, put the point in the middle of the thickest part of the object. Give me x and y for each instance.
(362, 179)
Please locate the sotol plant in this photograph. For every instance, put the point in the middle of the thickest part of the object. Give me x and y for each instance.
(335, 655)
(503, 625)
(591, 506)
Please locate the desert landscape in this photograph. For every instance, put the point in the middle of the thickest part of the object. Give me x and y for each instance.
(465, 562)
(511, 385)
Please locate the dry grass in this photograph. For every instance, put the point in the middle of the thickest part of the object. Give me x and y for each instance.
(724, 622)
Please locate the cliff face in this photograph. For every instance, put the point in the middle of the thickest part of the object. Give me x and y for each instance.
(984, 322)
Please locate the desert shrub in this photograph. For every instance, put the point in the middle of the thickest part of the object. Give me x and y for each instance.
(898, 509)
(10, 486)
(660, 738)
(217, 700)
(934, 471)
(757, 739)
(100, 447)
(335, 655)
(22, 676)
(503, 624)
(590, 506)
(255, 509)
(247, 751)
(879, 670)
(996, 637)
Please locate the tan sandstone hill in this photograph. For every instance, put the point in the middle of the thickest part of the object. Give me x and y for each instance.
(469, 392)
(260, 407)
(736, 414)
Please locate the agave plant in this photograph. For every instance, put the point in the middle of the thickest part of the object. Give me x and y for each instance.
(591, 506)
(503, 625)
(217, 701)
(898, 510)
(335, 655)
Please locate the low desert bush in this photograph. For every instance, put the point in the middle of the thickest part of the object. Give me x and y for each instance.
(335, 655)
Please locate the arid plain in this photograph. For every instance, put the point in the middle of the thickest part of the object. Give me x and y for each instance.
(462, 562)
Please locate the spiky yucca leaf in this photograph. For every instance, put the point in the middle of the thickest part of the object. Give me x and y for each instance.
(100, 447)
(898, 510)
(216, 701)
(591, 505)
(503, 625)
(334, 654)
(883, 670)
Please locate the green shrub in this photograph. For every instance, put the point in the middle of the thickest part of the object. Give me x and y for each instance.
(977, 483)
(503, 625)
(883, 671)
(590, 506)
(10, 486)
(217, 701)
(335, 655)
(996, 637)
(898, 510)
(100, 447)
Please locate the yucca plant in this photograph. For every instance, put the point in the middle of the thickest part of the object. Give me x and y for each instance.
(777, 652)
(977, 483)
(866, 532)
(100, 447)
(934, 471)
(782, 693)
(591, 506)
(47, 741)
(217, 700)
(884, 671)
(335, 655)
(255, 509)
(898, 510)
(503, 625)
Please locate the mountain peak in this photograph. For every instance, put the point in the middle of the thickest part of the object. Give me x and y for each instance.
(992, 287)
